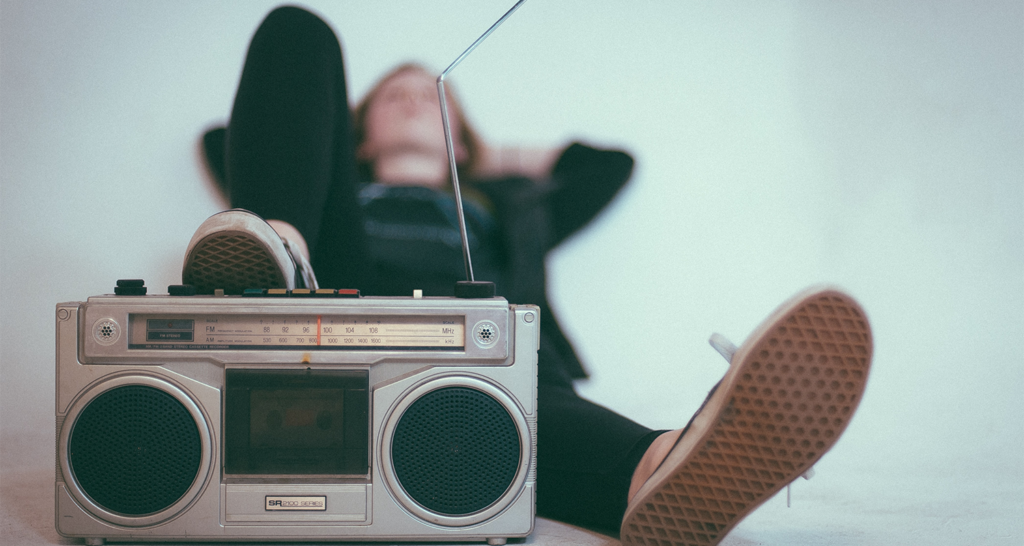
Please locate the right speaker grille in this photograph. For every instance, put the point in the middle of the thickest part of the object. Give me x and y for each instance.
(455, 451)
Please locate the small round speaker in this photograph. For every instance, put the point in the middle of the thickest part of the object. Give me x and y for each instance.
(106, 331)
(455, 451)
(136, 451)
(458, 451)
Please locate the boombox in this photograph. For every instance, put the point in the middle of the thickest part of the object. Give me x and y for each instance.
(298, 415)
(295, 415)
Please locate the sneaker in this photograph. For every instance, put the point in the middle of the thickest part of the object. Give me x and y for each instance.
(790, 391)
(236, 249)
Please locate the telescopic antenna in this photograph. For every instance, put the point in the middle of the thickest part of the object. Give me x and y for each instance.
(470, 288)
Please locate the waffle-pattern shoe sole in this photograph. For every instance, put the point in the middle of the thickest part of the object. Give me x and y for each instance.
(235, 250)
(789, 394)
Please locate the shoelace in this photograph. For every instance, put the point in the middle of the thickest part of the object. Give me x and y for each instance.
(727, 349)
(303, 269)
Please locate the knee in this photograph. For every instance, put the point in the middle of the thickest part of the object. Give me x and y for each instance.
(295, 26)
(293, 16)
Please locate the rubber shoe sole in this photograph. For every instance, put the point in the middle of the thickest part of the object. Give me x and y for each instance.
(234, 250)
(790, 392)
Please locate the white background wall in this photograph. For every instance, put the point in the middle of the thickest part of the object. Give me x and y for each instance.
(874, 145)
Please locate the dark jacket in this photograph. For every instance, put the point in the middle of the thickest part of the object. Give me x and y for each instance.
(537, 217)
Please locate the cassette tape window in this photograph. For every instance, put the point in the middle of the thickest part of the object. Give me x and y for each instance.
(295, 423)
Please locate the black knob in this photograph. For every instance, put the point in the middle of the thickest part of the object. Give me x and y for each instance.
(130, 287)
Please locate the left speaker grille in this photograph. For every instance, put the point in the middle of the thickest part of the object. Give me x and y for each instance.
(456, 451)
(135, 450)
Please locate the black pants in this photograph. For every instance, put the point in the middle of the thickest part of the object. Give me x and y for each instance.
(290, 156)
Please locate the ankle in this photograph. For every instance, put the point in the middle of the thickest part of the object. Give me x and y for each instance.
(651, 460)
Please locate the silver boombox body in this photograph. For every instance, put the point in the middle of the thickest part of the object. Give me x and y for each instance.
(299, 415)
(230, 418)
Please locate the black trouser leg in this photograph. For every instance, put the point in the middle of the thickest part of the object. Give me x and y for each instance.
(289, 151)
(586, 455)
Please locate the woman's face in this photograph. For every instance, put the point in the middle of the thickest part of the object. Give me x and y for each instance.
(404, 116)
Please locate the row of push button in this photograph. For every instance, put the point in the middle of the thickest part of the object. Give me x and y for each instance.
(300, 293)
(137, 287)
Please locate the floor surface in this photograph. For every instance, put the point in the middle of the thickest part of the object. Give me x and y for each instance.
(837, 507)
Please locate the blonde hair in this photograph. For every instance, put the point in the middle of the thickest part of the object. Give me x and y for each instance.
(463, 132)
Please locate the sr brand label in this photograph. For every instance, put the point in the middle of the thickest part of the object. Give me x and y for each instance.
(279, 503)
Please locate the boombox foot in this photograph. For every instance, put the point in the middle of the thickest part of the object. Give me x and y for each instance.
(496, 541)
(95, 541)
